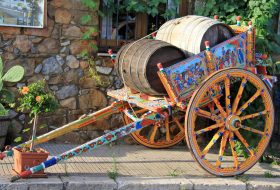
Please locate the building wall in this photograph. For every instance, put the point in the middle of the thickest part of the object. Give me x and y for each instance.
(52, 54)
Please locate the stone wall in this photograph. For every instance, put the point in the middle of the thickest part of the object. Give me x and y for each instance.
(52, 54)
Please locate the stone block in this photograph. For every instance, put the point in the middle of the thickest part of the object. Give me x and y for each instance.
(35, 78)
(62, 16)
(44, 32)
(145, 183)
(95, 99)
(22, 43)
(50, 183)
(69, 103)
(72, 62)
(263, 184)
(67, 91)
(9, 30)
(71, 76)
(51, 66)
(56, 79)
(72, 32)
(217, 183)
(49, 46)
(84, 64)
(92, 183)
(78, 46)
(5, 184)
(87, 82)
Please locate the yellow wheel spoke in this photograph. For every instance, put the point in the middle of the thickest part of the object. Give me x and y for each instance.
(244, 142)
(153, 135)
(227, 97)
(211, 127)
(232, 147)
(212, 142)
(211, 107)
(141, 111)
(206, 114)
(178, 124)
(218, 105)
(244, 106)
(239, 94)
(166, 123)
(252, 130)
(222, 148)
(253, 115)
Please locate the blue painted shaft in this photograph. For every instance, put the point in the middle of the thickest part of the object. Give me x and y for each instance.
(95, 143)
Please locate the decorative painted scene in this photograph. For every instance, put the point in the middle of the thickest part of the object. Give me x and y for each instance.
(22, 13)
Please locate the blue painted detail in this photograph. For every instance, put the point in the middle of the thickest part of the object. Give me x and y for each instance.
(202, 156)
(37, 168)
(243, 85)
(50, 162)
(229, 97)
(229, 106)
(221, 158)
(9, 153)
(138, 125)
(157, 116)
(221, 133)
(242, 110)
(214, 141)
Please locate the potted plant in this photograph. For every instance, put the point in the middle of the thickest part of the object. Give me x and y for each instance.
(14, 74)
(36, 99)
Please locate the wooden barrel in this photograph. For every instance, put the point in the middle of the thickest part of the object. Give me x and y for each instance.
(190, 32)
(137, 64)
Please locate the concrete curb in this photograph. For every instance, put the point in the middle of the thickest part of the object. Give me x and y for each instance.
(139, 183)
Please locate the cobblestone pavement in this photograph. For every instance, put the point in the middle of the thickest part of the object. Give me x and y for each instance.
(137, 167)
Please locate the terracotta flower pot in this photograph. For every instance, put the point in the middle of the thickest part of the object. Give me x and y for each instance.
(26, 160)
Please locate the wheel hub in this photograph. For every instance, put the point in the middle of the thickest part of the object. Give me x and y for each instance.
(233, 123)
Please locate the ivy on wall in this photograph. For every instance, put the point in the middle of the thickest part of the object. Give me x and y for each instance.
(260, 12)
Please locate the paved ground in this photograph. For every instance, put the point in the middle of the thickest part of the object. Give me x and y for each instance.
(137, 168)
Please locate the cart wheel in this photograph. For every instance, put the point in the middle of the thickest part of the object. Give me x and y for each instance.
(238, 126)
(166, 135)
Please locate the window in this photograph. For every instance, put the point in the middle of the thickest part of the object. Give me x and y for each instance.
(123, 27)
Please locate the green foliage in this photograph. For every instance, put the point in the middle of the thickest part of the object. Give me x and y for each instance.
(242, 177)
(36, 99)
(14, 74)
(260, 12)
(174, 173)
(268, 174)
(101, 81)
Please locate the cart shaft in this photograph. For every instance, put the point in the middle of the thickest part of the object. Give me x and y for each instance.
(81, 122)
(148, 119)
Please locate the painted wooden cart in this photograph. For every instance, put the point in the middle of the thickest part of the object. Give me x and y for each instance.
(218, 100)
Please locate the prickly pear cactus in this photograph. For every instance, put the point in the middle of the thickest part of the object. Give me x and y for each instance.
(14, 74)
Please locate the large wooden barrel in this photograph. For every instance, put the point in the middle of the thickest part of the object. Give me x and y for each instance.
(137, 62)
(190, 32)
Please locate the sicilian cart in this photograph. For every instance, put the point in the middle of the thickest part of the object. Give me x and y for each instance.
(195, 79)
